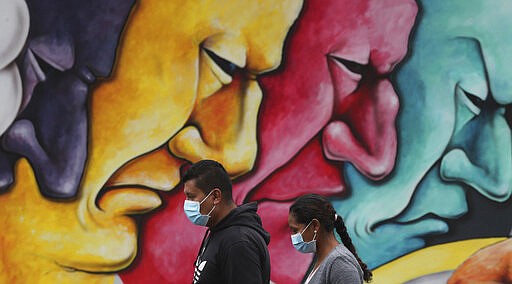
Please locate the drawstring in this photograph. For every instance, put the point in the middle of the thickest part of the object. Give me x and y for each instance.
(203, 244)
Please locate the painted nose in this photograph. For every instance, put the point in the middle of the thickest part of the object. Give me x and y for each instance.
(223, 128)
(481, 156)
(365, 133)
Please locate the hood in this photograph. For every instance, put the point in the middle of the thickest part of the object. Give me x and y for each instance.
(244, 215)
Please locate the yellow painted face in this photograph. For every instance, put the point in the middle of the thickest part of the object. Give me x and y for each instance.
(185, 89)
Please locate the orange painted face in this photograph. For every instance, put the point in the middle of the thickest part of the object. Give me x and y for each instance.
(185, 89)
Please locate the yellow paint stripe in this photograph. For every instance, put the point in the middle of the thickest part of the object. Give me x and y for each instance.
(429, 260)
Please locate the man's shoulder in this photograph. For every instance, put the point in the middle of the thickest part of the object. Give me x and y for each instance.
(237, 234)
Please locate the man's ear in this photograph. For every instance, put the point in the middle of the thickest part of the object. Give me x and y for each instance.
(217, 196)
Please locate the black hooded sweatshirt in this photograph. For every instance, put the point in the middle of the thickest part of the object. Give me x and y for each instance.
(235, 250)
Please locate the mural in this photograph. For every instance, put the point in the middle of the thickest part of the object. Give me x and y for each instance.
(398, 111)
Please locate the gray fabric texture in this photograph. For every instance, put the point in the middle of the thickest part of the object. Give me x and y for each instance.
(340, 266)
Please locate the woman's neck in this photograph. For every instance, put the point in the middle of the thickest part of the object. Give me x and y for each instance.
(324, 246)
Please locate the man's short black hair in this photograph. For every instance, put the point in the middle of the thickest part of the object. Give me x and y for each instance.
(207, 175)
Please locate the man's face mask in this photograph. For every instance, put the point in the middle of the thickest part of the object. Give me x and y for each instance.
(301, 245)
(193, 211)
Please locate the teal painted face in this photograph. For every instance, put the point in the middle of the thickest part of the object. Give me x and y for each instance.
(453, 135)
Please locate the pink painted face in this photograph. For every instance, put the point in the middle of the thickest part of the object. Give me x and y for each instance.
(333, 83)
(330, 102)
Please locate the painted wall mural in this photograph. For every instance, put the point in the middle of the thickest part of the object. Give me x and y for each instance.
(398, 111)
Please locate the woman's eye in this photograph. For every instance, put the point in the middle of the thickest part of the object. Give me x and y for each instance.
(227, 66)
(354, 67)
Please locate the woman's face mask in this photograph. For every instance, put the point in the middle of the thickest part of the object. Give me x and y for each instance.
(301, 245)
(193, 211)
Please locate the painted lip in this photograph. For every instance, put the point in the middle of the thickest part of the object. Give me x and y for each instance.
(424, 226)
(128, 200)
(135, 186)
(86, 75)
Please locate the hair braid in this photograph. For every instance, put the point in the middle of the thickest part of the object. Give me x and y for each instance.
(341, 229)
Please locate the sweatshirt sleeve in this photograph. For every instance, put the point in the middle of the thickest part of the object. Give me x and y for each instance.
(242, 264)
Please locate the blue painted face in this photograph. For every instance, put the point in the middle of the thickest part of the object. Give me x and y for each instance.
(452, 128)
(70, 44)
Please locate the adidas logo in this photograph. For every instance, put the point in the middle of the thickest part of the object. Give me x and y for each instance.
(197, 271)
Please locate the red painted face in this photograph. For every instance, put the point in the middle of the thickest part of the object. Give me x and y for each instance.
(329, 102)
(333, 84)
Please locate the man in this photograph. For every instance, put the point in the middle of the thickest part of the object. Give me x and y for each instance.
(234, 249)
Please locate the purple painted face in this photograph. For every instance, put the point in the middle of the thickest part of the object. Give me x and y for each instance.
(71, 43)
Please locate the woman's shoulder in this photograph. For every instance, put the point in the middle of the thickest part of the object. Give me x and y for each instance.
(341, 251)
(341, 256)
(343, 267)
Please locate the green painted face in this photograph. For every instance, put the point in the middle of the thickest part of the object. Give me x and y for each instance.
(452, 130)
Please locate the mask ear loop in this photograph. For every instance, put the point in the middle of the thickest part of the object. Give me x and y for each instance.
(211, 211)
(204, 200)
(314, 236)
(306, 227)
(205, 197)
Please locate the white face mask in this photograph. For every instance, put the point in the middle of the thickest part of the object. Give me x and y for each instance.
(193, 211)
(302, 246)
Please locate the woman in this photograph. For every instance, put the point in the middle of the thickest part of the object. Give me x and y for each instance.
(312, 220)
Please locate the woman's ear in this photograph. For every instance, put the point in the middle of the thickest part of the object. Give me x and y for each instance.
(316, 225)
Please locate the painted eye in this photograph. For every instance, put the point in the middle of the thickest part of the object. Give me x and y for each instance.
(478, 102)
(227, 66)
(472, 101)
(43, 65)
(352, 66)
(508, 115)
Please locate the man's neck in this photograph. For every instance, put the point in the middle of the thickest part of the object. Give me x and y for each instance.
(223, 211)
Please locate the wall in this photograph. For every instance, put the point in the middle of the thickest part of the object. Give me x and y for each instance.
(398, 111)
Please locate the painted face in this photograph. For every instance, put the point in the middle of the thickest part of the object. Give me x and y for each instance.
(452, 132)
(185, 83)
(215, 104)
(337, 89)
(70, 44)
(15, 21)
